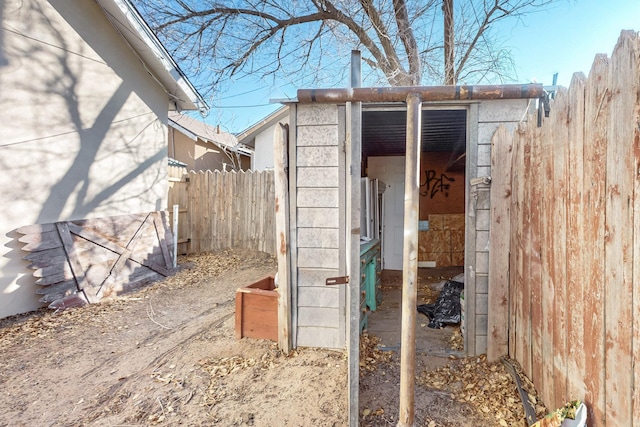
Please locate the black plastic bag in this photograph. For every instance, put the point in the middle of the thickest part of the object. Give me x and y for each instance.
(446, 310)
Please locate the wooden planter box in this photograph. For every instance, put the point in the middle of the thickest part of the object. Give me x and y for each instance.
(257, 310)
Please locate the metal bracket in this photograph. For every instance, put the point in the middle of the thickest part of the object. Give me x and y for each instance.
(342, 280)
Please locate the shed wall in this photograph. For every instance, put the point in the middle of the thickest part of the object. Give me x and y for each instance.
(485, 117)
(319, 160)
(318, 157)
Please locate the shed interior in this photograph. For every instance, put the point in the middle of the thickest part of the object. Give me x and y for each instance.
(441, 231)
(442, 178)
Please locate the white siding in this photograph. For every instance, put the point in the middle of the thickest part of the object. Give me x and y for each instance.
(263, 150)
(318, 224)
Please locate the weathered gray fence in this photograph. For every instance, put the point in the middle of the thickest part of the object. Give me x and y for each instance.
(219, 210)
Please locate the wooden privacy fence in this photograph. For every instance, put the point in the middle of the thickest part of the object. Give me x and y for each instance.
(219, 210)
(566, 224)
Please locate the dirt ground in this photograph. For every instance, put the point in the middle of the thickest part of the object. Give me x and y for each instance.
(167, 355)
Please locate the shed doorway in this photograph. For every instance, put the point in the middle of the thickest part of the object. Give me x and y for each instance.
(441, 233)
(442, 182)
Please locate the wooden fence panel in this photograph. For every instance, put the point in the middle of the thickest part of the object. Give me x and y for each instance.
(225, 209)
(84, 261)
(555, 363)
(501, 153)
(547, 275)
(595, 143)
(520, 339)
(576, 217)
(535, 265)
(574, 275)
(527, 248)
(618, 247)
(514, 245)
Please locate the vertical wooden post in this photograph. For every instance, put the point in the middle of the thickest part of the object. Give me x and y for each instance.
(280, 166)
(354, 156)
(449, 43)
(410, 262)
(176, 212)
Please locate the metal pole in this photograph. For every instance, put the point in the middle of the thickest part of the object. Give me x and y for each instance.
(352, 181)
(427, 93)
(176, 212)
(410, 262)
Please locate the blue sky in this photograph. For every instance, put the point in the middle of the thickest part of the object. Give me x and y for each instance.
(563, 39)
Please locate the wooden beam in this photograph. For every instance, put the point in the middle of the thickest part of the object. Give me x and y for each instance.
(410, 262)
(74, 261)
(281, 166)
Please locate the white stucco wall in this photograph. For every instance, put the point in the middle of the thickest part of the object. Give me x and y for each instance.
(263, 156)
(82, 131)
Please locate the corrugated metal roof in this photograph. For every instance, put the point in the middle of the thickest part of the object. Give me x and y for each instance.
(384, 131)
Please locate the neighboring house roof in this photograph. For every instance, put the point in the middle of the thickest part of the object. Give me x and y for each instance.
(248, 135)
(126, 19)
(196, 129)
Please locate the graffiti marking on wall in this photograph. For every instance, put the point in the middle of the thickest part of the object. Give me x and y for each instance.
(433, 185)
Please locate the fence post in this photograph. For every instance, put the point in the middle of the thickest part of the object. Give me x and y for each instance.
(176, 212)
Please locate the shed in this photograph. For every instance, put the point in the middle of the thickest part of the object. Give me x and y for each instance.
(338, 137)
(456, 149)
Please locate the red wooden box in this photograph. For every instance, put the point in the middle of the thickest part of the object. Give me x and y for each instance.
(257, 310)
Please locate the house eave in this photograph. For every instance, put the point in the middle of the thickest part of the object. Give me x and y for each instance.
(126, 19)
(251, 132)
(183, 130)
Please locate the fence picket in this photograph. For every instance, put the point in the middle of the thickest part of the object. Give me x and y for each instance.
(621, 173)
(576, 217)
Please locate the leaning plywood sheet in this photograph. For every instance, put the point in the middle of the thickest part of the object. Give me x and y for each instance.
(84, 261)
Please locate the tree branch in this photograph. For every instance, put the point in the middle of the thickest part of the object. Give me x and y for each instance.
(405, 33)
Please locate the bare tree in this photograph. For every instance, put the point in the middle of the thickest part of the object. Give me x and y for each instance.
(402, 41)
